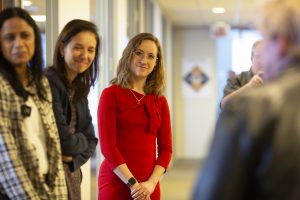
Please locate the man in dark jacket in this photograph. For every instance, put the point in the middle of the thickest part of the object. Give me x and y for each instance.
(246, 79)
(255, 151)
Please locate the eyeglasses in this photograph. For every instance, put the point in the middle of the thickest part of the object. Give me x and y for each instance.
(140, 54)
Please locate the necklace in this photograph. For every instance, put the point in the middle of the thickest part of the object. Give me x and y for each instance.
(138, 100)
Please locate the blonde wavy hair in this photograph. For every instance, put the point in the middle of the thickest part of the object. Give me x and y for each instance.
(155, 82)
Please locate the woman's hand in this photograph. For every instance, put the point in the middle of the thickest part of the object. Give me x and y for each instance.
(139, 192)
(149, 185)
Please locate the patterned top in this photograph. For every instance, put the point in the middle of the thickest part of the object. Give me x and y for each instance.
(19, 177)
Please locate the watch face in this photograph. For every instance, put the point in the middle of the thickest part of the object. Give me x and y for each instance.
(131, 181)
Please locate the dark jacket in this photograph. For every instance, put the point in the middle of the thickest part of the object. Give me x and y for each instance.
(256, 148)
(236, 82)
(82, 143)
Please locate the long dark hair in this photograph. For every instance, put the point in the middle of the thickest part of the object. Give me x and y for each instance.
(35, 65)
(83, 81)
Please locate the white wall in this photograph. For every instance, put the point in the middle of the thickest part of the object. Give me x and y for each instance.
(194, 115)
(72, 9)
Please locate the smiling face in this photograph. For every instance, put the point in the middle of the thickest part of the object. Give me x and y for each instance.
(144, 60)
(17, 41)
(79, 53)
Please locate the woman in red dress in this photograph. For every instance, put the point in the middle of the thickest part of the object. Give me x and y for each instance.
(134, 124)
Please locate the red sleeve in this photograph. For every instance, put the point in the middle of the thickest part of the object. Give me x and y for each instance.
(107, 110)
(164, 136)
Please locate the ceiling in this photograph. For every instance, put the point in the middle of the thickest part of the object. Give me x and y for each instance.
(239, 13)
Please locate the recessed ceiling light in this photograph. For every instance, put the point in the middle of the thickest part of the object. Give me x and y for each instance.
(26, 3)
(218, 10)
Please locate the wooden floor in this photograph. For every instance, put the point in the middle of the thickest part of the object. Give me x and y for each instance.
(177, 183)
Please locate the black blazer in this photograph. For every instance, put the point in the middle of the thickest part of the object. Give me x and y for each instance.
(82, 144)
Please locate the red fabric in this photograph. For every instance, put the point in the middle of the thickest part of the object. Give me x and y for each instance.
(128, 134)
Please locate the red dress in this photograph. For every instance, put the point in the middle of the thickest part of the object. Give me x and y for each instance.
(136, 134)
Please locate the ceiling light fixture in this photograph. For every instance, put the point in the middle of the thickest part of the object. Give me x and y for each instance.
(218, 10)
(26, 3)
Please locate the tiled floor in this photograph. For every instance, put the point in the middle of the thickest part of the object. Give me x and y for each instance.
(177, 183)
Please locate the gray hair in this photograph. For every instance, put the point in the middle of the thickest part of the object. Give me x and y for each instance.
(278, 17)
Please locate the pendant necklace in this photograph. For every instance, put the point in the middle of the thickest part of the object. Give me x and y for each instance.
(138, 100)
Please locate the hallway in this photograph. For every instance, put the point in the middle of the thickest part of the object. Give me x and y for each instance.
(178, 182)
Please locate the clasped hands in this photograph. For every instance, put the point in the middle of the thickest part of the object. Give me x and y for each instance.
(142, 191)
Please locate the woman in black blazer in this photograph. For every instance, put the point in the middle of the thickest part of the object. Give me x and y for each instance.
(74, 71)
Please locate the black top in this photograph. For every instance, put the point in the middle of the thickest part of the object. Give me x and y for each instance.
(82, 143)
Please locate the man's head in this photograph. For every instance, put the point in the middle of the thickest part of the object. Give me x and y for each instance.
(256, 57)
(279, 23)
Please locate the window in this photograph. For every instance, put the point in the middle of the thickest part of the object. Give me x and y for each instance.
(242, 41)
(37, 10)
